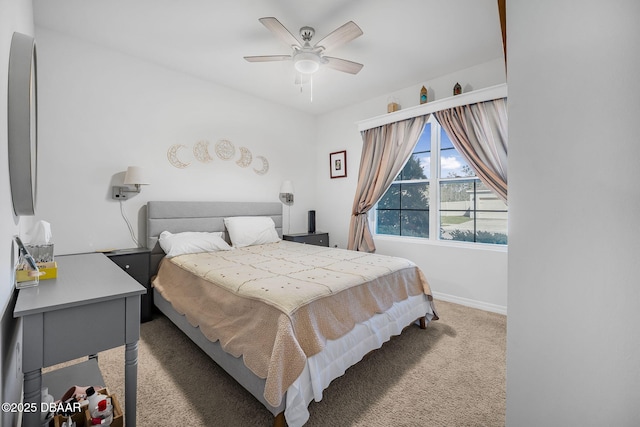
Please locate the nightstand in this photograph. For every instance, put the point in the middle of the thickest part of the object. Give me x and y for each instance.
(318, 239)
(136, 262)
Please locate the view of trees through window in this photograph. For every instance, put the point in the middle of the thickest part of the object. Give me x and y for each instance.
(465, 209)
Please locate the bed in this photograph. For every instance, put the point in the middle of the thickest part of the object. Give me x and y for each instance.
(282, 318)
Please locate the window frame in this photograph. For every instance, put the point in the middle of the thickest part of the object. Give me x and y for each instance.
(434, 182)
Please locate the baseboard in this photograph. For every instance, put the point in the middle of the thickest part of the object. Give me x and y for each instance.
(481, 305)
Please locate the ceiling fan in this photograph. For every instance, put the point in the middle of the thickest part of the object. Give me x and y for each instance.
(307, 59)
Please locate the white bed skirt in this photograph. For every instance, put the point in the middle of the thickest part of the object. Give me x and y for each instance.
(338, 355)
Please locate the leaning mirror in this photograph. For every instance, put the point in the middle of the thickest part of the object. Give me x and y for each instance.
(23, 123)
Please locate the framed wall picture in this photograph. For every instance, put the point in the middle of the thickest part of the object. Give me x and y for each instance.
(338, 164)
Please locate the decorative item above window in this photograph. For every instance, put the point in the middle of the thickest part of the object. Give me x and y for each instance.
(392, 104)
(22, 123)
(423, 95)
(466, 98)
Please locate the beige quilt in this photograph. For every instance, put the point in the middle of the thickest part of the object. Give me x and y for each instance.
(277, 304)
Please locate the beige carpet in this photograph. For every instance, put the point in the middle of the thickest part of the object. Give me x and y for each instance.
(451, 374)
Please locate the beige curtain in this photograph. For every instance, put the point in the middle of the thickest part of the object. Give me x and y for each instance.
(385, 150)
(479, 133)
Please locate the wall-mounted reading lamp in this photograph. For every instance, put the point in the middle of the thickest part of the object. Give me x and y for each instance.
(135, 176)
(286, 193)
(286, 197)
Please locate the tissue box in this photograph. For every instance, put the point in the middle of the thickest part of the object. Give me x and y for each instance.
(41, 253)
(392, 106)
(50, 270)
(23, 279)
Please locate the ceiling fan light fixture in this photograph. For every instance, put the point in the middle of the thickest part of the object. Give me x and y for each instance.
(306, 57)
(306, 62)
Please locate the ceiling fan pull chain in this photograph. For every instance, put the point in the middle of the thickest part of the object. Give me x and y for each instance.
(311, 87)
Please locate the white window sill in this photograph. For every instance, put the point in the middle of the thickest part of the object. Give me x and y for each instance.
(444, 243)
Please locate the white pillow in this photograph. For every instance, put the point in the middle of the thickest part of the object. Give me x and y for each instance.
(191, 242)
(251, 230)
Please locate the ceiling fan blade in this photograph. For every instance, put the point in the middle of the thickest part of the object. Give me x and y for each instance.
(343, 65)
(267, 58)
(340, 36)
(279, 31)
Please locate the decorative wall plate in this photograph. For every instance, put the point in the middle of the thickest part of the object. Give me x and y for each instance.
(172, 155)
(225, 149)
(265, 166)
(201, 152)
(245, 157)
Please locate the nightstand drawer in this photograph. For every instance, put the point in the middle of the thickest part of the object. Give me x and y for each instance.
(137, 266)
(136, 262)
(318, 239)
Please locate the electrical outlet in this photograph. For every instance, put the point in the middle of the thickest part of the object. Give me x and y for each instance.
(119, 195)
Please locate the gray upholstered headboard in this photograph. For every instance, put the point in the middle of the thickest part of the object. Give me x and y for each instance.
(177, 217)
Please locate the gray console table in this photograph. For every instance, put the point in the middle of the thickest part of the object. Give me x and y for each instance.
(90, 307)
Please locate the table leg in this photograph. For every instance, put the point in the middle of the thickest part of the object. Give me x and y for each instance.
(32, 395)
(130, 383)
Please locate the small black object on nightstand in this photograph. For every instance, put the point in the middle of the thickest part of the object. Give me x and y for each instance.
(318, 239)
(136, 262)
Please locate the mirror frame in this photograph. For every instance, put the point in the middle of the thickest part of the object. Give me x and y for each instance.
(22, 123)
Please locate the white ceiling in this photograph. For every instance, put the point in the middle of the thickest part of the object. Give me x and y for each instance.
(405, 42)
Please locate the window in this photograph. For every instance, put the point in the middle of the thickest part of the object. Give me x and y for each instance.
(466, 210)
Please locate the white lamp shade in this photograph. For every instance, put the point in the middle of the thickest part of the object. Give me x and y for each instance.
(286, 187)
(135, 176)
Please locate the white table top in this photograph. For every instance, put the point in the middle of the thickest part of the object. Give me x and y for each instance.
(81, 279)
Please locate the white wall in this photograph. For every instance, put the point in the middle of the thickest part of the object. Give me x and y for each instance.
(103, 111)
(483, 281)
(573, 331)
(106, 110)
(15, 15)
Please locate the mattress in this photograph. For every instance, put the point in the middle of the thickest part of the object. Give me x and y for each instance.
(279, 304)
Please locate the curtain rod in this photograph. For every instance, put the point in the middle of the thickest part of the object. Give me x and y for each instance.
(473, 97)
